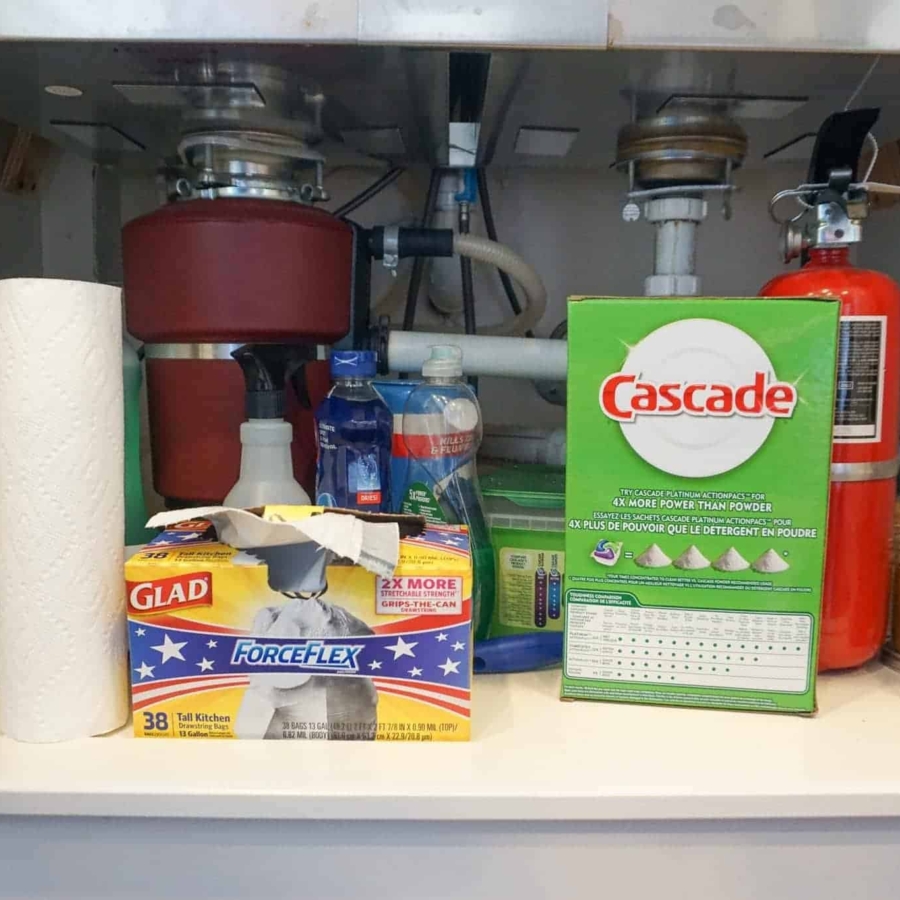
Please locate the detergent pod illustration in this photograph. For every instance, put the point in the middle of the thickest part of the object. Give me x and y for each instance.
(607, 552)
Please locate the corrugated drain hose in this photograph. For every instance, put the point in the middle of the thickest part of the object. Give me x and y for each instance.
(508, 261)
(419, 242)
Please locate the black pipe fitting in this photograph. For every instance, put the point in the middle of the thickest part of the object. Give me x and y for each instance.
(413, 242)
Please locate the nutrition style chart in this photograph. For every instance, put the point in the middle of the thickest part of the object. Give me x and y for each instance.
(613, 638)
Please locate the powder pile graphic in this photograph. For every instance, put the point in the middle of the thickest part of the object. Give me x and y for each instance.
(769, 563)
(731, 561)
(692, 558)
(654, 557)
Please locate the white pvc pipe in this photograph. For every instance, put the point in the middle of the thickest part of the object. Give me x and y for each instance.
(546, 446)
(675, 248)
(509, 357)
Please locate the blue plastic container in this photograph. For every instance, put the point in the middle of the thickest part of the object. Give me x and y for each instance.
(354, 429)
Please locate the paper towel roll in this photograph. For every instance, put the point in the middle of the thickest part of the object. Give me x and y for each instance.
(62, 613)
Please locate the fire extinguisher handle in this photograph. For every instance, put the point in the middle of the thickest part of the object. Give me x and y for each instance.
(839, 143)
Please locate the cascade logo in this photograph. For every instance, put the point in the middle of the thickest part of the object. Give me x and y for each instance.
(624, 396)
(181, 592)
(697, 397)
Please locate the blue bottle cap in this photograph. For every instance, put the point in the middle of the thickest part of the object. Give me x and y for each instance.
(353, 363)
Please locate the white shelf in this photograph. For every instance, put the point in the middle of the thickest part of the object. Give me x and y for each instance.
(532, 758)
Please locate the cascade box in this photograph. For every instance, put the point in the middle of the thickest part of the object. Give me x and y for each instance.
(698, 462)
(292, 641)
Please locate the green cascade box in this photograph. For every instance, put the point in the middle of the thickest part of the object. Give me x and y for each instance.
(698, 460)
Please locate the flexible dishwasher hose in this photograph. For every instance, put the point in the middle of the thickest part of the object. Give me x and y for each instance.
(508, 261)
(422, 242)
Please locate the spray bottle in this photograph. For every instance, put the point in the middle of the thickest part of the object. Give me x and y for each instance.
(267, 470)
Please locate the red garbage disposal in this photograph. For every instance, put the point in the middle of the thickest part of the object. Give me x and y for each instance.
(865, 449)
(204, 276)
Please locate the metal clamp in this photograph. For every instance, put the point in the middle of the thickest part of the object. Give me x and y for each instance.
(245, 141)
(190, 351)
(391, 245)
(246, 163)
(865, 471)
(631, 212)
(211, 351)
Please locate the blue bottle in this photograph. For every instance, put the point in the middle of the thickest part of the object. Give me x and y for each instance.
(354, 429)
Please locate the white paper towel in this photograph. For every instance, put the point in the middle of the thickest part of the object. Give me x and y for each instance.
(62, 614)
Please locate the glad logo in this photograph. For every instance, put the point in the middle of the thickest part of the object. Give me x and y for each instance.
(622, 397)
(181, 592)
(697, 397)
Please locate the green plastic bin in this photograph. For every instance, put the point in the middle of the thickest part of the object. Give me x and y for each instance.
(525, 507)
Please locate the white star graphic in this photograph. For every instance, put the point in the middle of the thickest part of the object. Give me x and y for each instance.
(145, 671)
(449, 667)
(442, 636)
(187, 537)
(374, 665)
(415, 671)
(205, 664)
(140, 632)
(401, 648)
(169, 649)
(212, 643)
(459, 645)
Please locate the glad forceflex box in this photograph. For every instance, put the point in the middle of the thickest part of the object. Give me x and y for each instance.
(258, 624)
(698, 460)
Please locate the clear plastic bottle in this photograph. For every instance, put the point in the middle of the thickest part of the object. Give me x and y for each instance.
(442, 433)
(354, 429)
(267, 469)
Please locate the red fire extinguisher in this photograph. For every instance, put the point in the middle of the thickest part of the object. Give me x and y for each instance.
(865, 449)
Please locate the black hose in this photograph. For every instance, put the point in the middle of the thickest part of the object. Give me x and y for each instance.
(418, 266)
(491, 228)
(468, 288)
(413, 242)
(372, 190)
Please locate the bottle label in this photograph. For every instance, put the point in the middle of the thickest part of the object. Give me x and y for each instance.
(363, 479)
(419, 500)
(431, 446)
(859, 397)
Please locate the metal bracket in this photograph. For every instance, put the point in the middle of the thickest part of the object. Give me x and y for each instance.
(631, 212)
(391, 246)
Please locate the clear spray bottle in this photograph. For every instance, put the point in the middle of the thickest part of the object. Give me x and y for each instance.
(267, 470)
